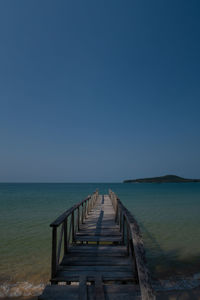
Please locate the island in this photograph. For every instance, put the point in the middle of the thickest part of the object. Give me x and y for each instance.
(162, 179)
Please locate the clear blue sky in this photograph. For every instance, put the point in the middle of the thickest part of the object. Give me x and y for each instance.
(99, 90)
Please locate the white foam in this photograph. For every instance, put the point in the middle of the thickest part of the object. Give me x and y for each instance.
(20, 289)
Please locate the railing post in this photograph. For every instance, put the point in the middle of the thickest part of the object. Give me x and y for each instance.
(73, 233)
(134, 260)
(89, 204)
(82, 213)
(65, 237)
(86, 207)
(123, 229)
(116, 211)
(54, 252)
(85, 210)
(120, 220)
(127, 238)
(92, 201)
(78, 219)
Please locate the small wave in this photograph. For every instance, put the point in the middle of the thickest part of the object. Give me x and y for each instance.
(18, 289)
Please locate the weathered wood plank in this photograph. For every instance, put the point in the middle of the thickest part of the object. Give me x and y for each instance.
(116, 292)
(117, 288)
(99, 238)
(83, 288)
(96, 248)
(99, 291)
(63, 276)
(60, 292)
(98, 233)
(71, 292)
(94, 226)
(99, 254)
(92, 261)
(112, 269)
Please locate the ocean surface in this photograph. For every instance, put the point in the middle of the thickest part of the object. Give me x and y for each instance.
(169, 216)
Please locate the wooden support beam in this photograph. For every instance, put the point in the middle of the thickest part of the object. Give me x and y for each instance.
(83, 288)
(65, 237)
(82, 214)
(78, 216)
(73, 229)
(54, 252)
(99, 291)
(60, 243)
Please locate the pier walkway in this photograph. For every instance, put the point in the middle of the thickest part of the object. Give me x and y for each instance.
(97, 253)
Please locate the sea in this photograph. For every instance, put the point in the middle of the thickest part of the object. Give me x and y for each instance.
(168, 215)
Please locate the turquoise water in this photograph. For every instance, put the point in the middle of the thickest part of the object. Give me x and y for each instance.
(167, 213)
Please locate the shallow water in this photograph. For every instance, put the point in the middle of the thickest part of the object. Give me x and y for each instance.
(167, 213)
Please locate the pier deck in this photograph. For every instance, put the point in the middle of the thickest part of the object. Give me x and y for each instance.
(101, 259)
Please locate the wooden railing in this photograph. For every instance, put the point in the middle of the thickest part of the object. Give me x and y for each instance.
(65, 228)
(132, 238)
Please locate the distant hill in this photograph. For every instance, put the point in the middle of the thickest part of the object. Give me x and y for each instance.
(161, 179)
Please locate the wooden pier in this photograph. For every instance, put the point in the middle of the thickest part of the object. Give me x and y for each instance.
(97, 253)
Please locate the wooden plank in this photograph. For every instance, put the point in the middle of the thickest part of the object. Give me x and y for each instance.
(99, 258)
(98, 233)
(92, 261)
(104, 222)
(98, 254)
(83, 288)
(99, 238)
(60, 292)
(98, 249)
(94, 226)
(121, 288)
(63, 276)
(99, 291)
(95, 220)
(116, 292)
(112, 269)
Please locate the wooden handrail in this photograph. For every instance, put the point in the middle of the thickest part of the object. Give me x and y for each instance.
(68, 212)
(80, 209)
(135, 244)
